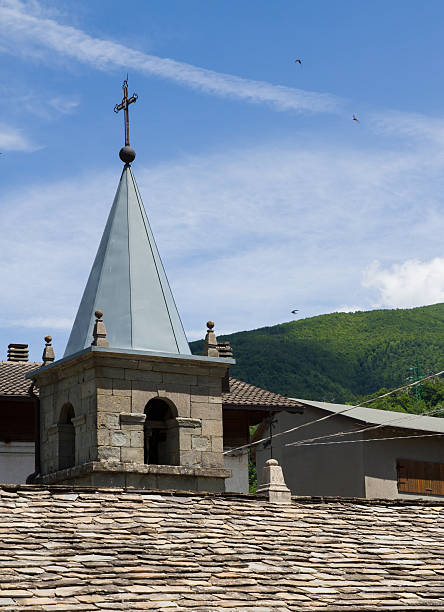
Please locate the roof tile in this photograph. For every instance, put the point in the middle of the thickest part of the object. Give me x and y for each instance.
(12, 377)
(153, 549)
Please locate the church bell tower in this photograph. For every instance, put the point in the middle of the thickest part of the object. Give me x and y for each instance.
(128, 404)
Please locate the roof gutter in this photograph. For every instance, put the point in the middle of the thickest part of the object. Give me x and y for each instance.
(31, 478)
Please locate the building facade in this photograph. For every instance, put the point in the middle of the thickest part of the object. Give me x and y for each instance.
(358, 452)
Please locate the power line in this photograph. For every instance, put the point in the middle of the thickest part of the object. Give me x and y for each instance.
(404, 417)
(328, 416)
(374, 439)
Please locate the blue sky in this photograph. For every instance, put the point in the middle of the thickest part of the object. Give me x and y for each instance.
(263, 193)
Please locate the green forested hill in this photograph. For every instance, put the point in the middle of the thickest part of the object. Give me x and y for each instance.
(341, 356)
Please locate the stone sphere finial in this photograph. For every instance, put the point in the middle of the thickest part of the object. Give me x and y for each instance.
(271, 462)
(99, 314)
(210, 324)
(127, 154)
(48, 339)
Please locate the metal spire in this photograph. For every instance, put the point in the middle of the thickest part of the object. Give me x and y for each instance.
(127, 153)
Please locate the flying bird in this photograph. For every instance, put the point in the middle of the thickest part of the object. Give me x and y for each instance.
(298, 61)
(355, 119)
(294, 311)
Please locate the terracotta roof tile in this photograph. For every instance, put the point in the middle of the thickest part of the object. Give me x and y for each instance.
(111, 549)
(12, 377)
(244, 394)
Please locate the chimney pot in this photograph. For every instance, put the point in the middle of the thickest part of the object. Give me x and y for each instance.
(18, 352)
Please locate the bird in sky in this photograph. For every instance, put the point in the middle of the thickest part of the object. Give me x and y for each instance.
(294, 311)
(298, 61)
(355, 118)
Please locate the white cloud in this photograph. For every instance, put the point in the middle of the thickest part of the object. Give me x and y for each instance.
(13, 139)
(24, 29)
(407, 284)
(43, 322)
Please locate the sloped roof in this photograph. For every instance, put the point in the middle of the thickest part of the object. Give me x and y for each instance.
(128, 282)
(387, 418)
(115, 549)
(244, 394)
(12, 377)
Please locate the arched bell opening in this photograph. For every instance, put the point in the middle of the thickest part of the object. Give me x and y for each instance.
(67, 437)
(161, 433)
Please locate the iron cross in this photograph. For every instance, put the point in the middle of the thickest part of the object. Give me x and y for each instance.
(124, 105)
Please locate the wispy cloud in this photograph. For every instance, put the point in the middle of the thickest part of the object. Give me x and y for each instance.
(13, 139)
(36, 35)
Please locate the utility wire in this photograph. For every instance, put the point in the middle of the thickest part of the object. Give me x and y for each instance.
(329, 416)
(374, 439)
(404, 417)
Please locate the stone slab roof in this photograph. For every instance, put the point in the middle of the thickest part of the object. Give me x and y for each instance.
(112, 549)
(12, 377)
(244, 394)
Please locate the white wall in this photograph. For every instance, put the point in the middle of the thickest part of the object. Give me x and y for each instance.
(381, 480)
(16, 462)
(238, 464)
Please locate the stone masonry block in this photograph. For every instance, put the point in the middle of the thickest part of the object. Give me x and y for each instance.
(200, 394)
(210, 459)
(185, 440)
(121, 387)
(191, 457)
(119, 438)
(206, 411)
(46, 391)
(200, 443)
(87, 375)
(104, 386)
(113, 403)
(180, 379)
(217, 444)
(132, 455)
(116, 362)
(108, 453)
(210, 381)
(211, 427)
(215, 399)
(109, 420)
(145, 365)
(88, 388)
(107, 372)
(104, 437)
(180, 368)
(137, 439)
(143, 375)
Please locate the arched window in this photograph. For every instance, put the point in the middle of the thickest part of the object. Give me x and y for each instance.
(67, 437)
(161, 433)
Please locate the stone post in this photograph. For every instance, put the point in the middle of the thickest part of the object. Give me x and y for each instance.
(99, 331)
(210, 342)
(48, 352)
(273, 483)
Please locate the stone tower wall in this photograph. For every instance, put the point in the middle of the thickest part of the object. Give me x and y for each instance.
(109, 393)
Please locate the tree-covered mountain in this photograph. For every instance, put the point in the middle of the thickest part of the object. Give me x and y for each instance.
(341, 356)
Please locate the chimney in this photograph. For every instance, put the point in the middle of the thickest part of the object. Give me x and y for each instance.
(18, 352)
